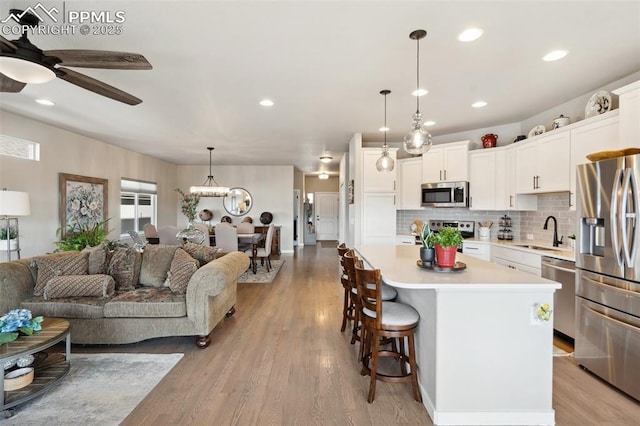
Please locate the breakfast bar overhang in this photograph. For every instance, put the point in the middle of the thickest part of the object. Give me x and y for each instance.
(484, 354)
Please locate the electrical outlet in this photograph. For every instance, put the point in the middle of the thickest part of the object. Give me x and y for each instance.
(529, 236)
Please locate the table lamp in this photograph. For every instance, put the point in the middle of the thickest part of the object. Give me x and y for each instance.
(12, 205)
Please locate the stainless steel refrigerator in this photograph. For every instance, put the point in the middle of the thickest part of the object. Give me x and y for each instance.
(607, 340)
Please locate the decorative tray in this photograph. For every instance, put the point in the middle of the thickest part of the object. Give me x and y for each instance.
(457, 267)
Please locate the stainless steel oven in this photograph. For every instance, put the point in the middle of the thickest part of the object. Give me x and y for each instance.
(467, 228)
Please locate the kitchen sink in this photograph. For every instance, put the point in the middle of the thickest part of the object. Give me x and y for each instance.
(534, 247)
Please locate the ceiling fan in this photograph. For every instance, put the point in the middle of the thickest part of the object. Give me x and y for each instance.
(22, 62)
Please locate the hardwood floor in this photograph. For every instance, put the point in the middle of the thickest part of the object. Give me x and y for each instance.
(281, 360)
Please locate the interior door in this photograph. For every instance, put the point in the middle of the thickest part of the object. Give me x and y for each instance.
(327, 215)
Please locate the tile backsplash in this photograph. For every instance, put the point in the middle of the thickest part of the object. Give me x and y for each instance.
(524, 222)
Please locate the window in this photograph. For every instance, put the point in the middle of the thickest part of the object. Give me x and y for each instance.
(20, 148)
(138, 202)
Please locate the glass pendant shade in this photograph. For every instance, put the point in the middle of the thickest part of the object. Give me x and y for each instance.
(385, 163)
(418, 141)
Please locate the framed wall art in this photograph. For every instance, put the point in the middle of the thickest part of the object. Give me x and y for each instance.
(83, 202)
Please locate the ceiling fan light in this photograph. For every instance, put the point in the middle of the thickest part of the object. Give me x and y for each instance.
(25, 71)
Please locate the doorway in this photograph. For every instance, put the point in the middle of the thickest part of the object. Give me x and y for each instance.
(327, 216)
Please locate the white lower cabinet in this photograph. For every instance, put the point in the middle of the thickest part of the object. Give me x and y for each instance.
(517, 259)
(479, 250)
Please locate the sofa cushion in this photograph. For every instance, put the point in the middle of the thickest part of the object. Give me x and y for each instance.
(98, 258)
(204, 254)
(68, 307)
(156, 261)
(79, 285)
(57, 264)
(183, 266)
(146, 302)
(124, 267)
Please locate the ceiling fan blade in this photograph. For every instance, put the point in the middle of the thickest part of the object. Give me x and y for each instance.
(5, 42)
(10, 85)
(100, 59)
(96, 86)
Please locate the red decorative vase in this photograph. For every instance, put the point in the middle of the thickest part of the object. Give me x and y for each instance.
(446, 256)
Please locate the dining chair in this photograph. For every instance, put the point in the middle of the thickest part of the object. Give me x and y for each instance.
(264, 253)
(348, 305)
(385, 320)
(167, 235)
(204, 228)
(226, 237)
(150, 230)
(246, 228)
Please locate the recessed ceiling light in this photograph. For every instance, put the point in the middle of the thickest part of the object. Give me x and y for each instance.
(470, 34)
(555, 55)
(266, 102)
(429, 123)
(479, 104)
(46, 102)
(420, 92)
(384, 129)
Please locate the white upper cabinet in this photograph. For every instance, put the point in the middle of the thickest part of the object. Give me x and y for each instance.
(446, 163)
(601, 134)
(372, 179)
(482, 179)
(541, 163)
(508, 199)
(629, 97)
(409, 184)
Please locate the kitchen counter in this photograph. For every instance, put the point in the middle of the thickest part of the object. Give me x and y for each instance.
(484, 356)
(563, 253)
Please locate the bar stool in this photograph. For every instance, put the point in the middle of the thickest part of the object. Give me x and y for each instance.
(381, 319)
(388, 293)
(348, 308)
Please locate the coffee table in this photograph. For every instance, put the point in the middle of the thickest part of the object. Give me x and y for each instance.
(46, 373)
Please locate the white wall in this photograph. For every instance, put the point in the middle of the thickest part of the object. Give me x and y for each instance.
(271, 188)
(62, 151)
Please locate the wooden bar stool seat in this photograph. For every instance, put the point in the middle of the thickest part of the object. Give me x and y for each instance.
(348, 308)
(385, 320)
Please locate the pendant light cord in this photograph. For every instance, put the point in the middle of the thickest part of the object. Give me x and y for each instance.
(418, 76)
(385, 121)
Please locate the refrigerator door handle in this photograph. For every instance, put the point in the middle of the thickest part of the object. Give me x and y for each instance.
(631, 226)
(615, 216)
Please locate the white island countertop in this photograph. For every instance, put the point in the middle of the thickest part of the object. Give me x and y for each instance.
(398, 266)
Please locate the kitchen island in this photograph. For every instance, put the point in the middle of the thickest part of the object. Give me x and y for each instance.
(484, 355)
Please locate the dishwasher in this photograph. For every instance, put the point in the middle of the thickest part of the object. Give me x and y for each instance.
(564, 300)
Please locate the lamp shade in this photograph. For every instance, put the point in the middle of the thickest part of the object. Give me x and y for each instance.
(14, 203)
(25, 71)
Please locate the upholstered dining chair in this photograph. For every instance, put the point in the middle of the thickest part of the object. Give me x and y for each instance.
(204, 228)
(385, 320)
(167, 235)
(264, 253)
(226, 237)
(150, 230)
(246, 228)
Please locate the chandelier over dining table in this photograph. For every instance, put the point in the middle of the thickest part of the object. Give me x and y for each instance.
(210, 188)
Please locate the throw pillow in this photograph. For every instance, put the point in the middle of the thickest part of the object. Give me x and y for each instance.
(124, 267)
(55, 265)
(204, 254)
(79, 286)
(98, 258)
(183, 266)
(156, 261)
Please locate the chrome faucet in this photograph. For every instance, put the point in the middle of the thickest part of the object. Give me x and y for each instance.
(556, 241)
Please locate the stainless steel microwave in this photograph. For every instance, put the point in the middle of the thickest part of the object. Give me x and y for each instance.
(445, 194)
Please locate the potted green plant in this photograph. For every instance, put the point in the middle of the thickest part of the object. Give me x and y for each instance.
(78, 239)
(10, 234)
(447, 241)
(427, 252)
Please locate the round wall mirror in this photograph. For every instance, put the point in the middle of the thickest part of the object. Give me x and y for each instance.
(238, 202)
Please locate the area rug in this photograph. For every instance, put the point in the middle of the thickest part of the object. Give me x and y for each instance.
(99, 389)
(261, 275)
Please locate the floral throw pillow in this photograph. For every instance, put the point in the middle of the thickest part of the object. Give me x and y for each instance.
(124, 267)
(183, 266)
(203, 254)
(79, 286)
(55, 265)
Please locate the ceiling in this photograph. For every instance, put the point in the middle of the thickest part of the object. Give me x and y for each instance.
(324, 63)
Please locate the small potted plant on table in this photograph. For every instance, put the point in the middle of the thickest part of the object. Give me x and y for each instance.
(10, 234)
(446, 244)
(427, 252)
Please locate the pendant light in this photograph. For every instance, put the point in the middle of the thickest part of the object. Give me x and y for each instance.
(418, 141)
(385, 163)
(210, 187)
